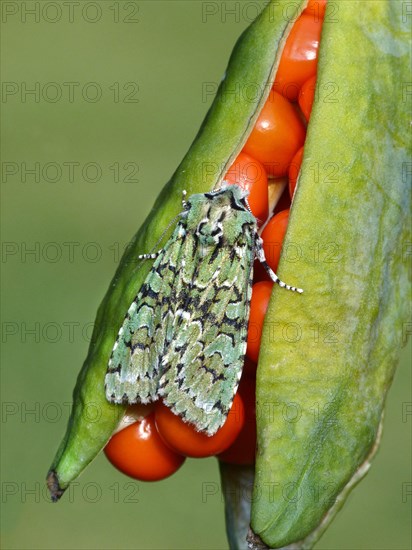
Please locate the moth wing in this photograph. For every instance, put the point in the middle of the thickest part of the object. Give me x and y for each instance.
(135, 365)
(204, 358)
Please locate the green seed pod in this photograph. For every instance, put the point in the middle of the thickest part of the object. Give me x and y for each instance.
(327, 359)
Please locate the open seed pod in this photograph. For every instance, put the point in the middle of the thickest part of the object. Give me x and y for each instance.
(328, 357)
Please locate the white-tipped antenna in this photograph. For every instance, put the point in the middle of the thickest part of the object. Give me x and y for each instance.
(184, 202)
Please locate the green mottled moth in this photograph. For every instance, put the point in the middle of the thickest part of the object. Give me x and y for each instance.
(184, 336)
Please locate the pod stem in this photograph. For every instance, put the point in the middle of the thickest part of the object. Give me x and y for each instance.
(237, 486)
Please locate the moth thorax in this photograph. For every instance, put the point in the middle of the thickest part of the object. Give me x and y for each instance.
(209, 232)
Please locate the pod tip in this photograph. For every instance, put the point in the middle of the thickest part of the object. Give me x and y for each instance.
(54, 487)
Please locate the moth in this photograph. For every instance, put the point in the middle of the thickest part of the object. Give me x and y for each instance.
(183, 338)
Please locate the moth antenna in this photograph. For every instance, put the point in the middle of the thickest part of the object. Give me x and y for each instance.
(260, 254)
(184, 201)
(250, 210)
(152, 255)
(248, 206)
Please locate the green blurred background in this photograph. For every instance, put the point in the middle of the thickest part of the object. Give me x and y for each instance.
(119, 90)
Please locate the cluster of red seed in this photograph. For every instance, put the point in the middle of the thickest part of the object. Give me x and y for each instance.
(156, 442)
(275, 150)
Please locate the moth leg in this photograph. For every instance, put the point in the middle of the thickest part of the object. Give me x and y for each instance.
(260, 255)
(152, 256)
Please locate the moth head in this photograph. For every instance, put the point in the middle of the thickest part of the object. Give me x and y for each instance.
(219, 216)
(238, 193)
